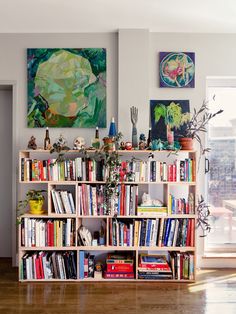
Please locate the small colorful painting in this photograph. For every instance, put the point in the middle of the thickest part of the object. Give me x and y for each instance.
(66, 87)
(177, 69)
(168, 114)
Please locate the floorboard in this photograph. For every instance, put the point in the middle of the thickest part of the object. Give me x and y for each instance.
(214, 292)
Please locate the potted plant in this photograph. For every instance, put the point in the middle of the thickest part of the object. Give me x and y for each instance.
(195, 126)
(35, 199)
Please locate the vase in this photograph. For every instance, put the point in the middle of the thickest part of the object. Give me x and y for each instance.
(36, 207)
(186, 143)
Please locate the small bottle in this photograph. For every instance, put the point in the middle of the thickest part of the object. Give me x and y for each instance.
(46, 139)
(102, 235)
(149, 138)
(97, 133)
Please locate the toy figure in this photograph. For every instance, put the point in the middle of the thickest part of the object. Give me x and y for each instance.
(32, 143)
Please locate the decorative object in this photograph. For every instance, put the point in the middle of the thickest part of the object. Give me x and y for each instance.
(96, 140)
(35, 199)
(128, 145)
(196, 126)
(109, 144)
(149, 138)
(177, 69)
(85, 235)
(60, 148)
(142, 141)
(147, 201)
(32, 143)
(112, 129)
(122, 145)
(134, 120)
(47, 140)
(66, 87)
(170, 135)
(169, 115)
(203, 213)
(79, 143)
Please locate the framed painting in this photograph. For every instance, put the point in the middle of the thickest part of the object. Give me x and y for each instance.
(66, 87)
(177, 69)
(168, 113)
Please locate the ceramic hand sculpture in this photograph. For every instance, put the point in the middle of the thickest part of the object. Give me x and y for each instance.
(134, 120)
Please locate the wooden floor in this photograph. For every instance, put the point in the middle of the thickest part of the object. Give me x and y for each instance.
(213, 293)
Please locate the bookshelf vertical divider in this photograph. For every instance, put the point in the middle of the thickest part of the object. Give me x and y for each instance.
(77, 218)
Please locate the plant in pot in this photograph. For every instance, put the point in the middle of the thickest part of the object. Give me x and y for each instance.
(195, 126)
(35, 199)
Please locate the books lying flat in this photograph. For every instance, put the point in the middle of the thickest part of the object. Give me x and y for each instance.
(108, 275)
(151, 211)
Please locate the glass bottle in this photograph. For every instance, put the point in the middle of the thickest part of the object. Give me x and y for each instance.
(46, 139)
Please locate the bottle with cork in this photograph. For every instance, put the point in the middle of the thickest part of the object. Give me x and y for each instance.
(47, 144)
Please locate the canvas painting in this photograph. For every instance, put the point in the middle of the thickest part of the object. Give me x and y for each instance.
(177, 69)
(66, 87)
(171, 113)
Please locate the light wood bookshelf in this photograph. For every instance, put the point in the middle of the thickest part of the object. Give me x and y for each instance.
(50, 214)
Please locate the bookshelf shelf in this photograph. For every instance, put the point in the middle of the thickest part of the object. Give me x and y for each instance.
(71, 184)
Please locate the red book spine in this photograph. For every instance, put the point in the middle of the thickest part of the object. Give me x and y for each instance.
(187, 207)
(37, 267)
(174, 172)
(117, 275)
(41, 267)
(51, 230)
(188, 238)
(154, 266)
(170, 174)
(120, 268)
(48, 234)
(192, 232)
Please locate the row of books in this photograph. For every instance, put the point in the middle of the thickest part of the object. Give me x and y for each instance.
(157, 171)
(86, 169)
(86, 265)
(152, 232)
(49, 265)
(181, 205)
(63, 202)
(79, 169)
(47, 232)
(182, 265)
(91, 200)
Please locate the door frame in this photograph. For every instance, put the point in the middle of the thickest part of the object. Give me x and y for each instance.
(15, 142)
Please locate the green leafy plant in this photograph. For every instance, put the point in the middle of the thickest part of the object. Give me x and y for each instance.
(203, 213)
(34, 195)
(198, 123)
(60, 150)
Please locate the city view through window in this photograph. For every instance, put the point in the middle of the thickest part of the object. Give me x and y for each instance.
(221, 183)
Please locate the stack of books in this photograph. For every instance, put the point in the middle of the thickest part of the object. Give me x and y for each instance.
(119, 266)
(182, 265)
(154, 267)
(143, 210)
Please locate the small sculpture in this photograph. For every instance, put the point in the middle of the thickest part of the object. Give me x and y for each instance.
(157, 145)
(122, 145)
(142, 141)
(61, 141)
(79, 143)
(128, 145)
(134, 120)
(32, 143)
(147, 201)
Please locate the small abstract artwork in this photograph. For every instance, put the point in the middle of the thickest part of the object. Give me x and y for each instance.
(177, 69)
(168, 114)
(66, 87)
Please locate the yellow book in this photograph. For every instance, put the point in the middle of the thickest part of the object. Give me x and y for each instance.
(169, 204)
(136, 232)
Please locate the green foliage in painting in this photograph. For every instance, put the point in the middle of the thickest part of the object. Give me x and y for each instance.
(67, 87)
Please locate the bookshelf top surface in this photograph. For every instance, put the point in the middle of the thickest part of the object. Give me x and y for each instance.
(119, 151)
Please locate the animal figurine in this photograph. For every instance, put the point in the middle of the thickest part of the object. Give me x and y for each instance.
(32, 143)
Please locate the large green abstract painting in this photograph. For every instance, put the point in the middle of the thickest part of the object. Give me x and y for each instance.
(66, 87)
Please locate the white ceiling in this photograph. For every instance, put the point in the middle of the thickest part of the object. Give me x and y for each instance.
(34, 16)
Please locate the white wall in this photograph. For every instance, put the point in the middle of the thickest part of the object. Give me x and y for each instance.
(214, 53)
(5, 170)
(13, 67)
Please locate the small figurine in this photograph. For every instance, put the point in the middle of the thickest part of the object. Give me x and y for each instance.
(147, 201)
(157, 145)
(128, 145)
(61, 141)
(142, 141)
(134, 120)
(32, 143)
(122, 145)
(79, 143)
